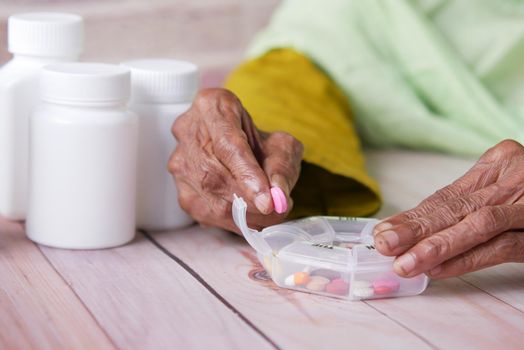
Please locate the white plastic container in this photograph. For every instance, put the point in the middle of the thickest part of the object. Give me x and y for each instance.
(161, 90)
(35, 39)
(331, 256)
(83, 158)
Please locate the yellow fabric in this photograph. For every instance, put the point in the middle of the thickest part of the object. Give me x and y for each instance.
(284, 91)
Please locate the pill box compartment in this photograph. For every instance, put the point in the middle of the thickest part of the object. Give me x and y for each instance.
(331, 256)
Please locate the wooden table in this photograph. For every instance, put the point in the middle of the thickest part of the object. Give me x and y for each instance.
(205, 289)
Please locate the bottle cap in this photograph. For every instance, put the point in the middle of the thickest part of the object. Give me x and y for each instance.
(85, 83)
(46, 34)
(162, 80)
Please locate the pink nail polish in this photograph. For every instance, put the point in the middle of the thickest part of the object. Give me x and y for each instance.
(279, 200)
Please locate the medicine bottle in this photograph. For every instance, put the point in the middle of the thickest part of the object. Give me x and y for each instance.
(83, 150)
(35, 40)
(161, 90)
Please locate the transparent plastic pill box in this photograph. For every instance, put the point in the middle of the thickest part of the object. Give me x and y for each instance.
(331, 256)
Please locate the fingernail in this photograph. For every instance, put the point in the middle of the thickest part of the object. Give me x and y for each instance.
(279, 200)
(435, 271)
(404, 264)
(390, 237)
(383, 226)
(263, 202)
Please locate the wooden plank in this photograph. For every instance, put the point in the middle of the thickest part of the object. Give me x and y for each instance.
(454, 314)
(38, 309)
(293, 320)
(459, 308)
(145, 300)
(454, 308)
(505, 282)
(450, 314)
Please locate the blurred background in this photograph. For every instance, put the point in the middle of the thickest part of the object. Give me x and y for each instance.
(211, 33)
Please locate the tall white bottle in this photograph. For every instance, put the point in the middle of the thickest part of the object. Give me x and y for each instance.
(83, 153)
(161, 90)
(35, 40)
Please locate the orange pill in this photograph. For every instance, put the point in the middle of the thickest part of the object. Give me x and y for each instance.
(301, 278)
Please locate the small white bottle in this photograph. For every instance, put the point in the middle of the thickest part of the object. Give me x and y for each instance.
(83, 150)
(35, 40)
(161, 90)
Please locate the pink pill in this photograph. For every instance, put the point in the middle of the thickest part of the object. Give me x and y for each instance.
(386, 286)
(338, 286)
(279, 200)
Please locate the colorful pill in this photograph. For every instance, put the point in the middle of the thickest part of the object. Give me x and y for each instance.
(386, 286)
(297, 279)
(362, 284)
(279, 200)
(317, 284)
(363, 292)
(338, 287)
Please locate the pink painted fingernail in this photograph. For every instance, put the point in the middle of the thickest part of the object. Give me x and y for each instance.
(279, 200)
(390, 238)
(405, 263)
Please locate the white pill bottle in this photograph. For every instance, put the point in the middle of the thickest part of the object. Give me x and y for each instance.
(35, 40)
(161, 90)
(83, 153)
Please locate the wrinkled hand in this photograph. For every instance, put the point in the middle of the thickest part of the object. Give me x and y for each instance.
(475, 222)
(221, 152)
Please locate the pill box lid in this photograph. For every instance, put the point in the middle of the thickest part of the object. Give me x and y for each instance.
(253, 237)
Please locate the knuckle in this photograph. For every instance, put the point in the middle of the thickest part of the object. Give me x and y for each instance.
(436, 247)
(502, 150)
(185, 200)
(177, 164)
(468, 261)
(511, 247)
(179, 126)
(510, 146)
(487, 220)
(205, 95)
(460, 207)
(284, 137)
(420, 228)
(298, 148)
(213, 98)
(445, 193)
(228, 146)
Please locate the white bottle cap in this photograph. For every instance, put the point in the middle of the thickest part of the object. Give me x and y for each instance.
(46, 34)
(162, 80)
(80, 83)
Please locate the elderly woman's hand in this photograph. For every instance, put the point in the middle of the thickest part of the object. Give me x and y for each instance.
(474, 223)
(221, 152)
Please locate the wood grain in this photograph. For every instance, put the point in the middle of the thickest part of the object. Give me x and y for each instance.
(38, 309)
(504, 282)
(293, 320)
(145, 300)
(451, 314)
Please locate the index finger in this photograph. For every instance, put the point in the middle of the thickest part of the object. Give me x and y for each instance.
(231, 147)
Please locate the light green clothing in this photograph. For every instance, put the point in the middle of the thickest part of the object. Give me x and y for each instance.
(431, 74)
